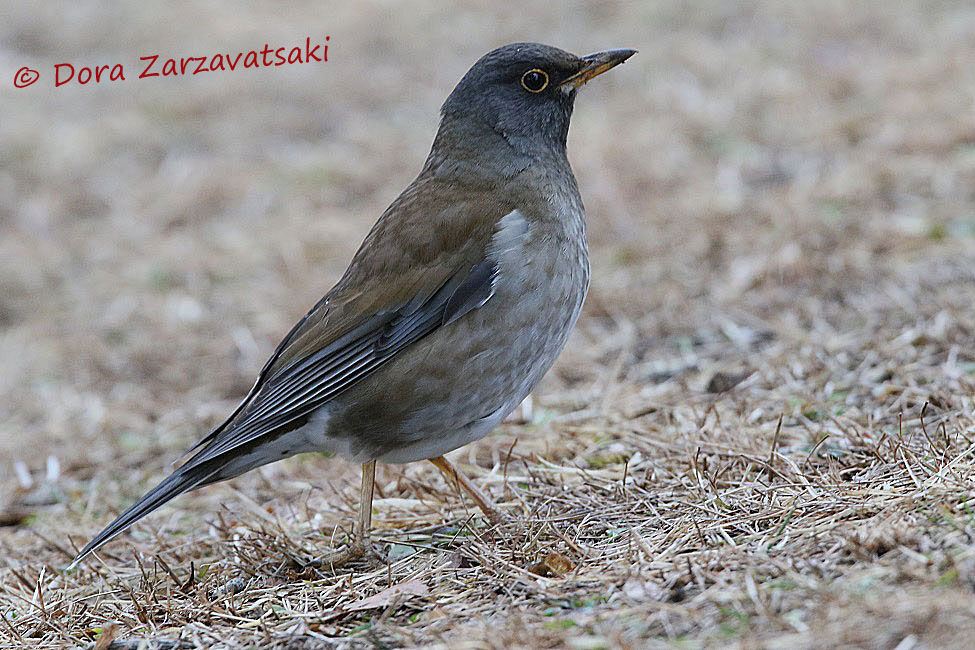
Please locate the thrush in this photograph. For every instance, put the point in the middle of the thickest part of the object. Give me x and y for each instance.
(456, 304)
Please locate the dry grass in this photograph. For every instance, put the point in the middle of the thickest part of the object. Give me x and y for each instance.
(761, 435)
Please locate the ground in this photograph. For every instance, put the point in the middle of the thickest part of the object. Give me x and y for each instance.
(761, 434)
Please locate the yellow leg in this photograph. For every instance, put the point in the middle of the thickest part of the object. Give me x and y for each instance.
(482, 500)
(360, 544)
(365, 503)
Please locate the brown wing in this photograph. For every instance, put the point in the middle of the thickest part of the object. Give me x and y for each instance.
(413, 273)
(409, 272)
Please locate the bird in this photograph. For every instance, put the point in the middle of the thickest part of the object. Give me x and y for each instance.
(458, 301)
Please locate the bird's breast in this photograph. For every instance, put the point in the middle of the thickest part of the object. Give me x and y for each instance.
(455, 385)
(478, 369)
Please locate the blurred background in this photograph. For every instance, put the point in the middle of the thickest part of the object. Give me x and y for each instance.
(777, 190)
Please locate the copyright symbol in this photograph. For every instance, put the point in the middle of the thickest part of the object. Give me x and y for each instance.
(25, 77)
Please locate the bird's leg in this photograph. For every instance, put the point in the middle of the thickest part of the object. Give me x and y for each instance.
(482, 500)
(360, 544)
(365, 504)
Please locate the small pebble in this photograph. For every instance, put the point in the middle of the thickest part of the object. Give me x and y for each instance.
(234, 586)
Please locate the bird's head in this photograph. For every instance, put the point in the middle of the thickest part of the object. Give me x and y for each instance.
(524, 92)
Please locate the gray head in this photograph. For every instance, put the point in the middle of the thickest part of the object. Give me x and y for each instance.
(523, 92)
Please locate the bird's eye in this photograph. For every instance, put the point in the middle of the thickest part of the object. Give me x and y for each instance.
(534, 81)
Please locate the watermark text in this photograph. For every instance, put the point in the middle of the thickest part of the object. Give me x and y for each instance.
(158, 65)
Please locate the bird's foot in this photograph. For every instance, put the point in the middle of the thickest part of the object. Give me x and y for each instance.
(494, 516)
(354, 552)
(498, 518)
(336, 559)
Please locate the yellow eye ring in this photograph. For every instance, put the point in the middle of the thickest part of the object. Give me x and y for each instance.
(535, 80)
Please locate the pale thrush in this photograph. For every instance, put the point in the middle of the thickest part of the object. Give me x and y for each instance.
(458, 301)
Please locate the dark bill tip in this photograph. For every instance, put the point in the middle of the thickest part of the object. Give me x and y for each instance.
(596, 64)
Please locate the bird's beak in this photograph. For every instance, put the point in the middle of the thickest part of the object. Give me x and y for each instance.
(596, 64)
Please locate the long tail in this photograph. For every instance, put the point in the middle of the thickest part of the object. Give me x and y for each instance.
(184, 479)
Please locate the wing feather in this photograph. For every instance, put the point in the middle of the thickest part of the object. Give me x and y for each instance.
(333, 347)
(307, 384)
